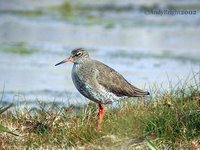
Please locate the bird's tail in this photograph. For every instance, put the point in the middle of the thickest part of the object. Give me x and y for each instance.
(146, 93)
(139, 93)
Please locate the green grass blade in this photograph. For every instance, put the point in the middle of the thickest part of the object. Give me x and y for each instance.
(4, 129)
(151, 146)
(3, 109)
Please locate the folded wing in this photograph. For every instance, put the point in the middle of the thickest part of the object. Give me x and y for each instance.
(115, 82)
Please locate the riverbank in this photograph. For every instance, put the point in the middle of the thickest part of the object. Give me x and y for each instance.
(167, 121)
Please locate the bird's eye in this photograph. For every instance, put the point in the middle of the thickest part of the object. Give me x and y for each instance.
(78, 54)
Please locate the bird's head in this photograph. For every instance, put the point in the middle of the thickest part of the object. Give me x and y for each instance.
(77, 56)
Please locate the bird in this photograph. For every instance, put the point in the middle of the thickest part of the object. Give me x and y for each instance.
(99, 82)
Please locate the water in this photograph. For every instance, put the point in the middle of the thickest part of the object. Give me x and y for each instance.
(145, 49)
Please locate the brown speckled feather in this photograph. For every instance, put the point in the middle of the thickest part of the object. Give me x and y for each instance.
(116, 83)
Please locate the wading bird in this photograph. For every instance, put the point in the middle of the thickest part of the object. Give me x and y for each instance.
(98, 82)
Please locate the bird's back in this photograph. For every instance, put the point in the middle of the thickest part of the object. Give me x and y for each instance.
(115, 82)
(102, 84)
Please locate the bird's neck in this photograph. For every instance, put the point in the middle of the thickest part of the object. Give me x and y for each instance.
(82, 61)
(80, 64)
(77, 65)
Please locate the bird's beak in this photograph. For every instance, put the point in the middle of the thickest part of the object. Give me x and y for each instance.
(70, 59)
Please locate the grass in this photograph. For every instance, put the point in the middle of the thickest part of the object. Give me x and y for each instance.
(169, 120)
(27, 13)
(165, 54)
(20, 48)
(2, 128)
(188, 6)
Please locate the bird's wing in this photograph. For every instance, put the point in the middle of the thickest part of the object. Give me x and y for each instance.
(115, 82)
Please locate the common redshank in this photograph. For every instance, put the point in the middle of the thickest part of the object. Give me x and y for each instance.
(99, 82)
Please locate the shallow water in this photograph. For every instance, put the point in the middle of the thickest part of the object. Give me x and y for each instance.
(145, 49)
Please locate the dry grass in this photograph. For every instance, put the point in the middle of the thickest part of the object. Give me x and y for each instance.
(170, 120)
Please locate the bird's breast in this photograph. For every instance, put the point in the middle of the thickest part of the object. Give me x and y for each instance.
(86, 83)
(80, 81)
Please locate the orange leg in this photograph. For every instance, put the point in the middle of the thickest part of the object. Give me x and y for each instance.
(101, 115)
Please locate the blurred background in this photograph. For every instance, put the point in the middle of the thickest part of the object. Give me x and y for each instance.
(147, 49)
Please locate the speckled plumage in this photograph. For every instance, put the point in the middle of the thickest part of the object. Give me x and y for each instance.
(98, 82)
